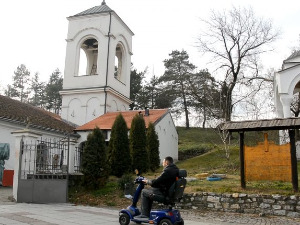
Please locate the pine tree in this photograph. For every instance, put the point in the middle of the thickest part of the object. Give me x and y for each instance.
(53, 98)
(152, 147)
(119, 153)
(94, 161)
(19, 88)
(38, 91)
(140, 159)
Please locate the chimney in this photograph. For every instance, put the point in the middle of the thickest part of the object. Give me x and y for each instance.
(146, 111)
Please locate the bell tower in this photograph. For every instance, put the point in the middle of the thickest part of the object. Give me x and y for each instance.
(97, 65)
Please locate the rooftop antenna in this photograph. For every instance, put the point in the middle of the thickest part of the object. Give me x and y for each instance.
(103, 3)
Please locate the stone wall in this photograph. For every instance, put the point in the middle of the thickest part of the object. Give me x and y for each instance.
(243, 203)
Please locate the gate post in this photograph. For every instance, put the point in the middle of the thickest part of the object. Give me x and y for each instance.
(72, 145)
(27, 136)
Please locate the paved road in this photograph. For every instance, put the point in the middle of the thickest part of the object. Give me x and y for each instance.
(66, 214)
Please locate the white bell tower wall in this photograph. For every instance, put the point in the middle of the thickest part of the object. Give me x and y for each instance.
(97, 65)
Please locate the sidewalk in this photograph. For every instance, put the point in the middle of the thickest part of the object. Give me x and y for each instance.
(61, 214)
(66, 214)
(6, 194)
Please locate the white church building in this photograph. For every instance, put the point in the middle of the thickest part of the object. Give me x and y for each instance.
(96, 85)
(286, 84)
(97, 77)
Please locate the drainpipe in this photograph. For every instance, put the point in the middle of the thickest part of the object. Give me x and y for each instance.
(107, 62)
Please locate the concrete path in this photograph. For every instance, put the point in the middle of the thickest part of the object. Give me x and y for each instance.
(66, 214)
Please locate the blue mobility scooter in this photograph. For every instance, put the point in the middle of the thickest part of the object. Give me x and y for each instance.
(167, 216)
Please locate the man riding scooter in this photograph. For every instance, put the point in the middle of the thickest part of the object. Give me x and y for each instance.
(159, 187)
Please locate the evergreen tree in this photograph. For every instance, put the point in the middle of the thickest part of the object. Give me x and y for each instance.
(38, 93)
(94, 161)
(152, 147)
(8, 91)
(140, 159)
(53, 98)
(136, 79)
(119, 153)
(19, 87)
(176, 76)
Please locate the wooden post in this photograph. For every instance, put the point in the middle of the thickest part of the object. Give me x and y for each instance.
(293, 160)
(242, 161)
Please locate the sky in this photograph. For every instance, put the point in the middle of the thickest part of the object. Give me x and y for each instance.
(33, 32)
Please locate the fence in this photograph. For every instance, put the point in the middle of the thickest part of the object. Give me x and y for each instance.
(43, 174)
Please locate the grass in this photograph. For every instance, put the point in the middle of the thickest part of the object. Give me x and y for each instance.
(109, 195)
(213, 161)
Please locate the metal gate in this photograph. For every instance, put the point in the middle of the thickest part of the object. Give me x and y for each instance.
(43, 171)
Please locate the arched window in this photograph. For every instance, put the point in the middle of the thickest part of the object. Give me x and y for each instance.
(119, 62)
(88, 57)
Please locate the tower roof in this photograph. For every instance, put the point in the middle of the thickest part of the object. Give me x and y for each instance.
(295, 54)
(103, 8)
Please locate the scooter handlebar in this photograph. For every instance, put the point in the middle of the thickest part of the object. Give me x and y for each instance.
(139, 180)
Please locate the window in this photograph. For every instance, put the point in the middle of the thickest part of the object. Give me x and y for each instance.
(118, 62)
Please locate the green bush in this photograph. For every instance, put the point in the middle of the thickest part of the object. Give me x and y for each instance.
(124, 181)
(94, 161)
(119, 153)
(153, 147)
(140, 158)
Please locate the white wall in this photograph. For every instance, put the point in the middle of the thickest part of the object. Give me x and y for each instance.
(79, 90)
(6, 137)
(168, 138)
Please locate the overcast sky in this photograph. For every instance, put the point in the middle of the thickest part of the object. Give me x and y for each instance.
(33, 32)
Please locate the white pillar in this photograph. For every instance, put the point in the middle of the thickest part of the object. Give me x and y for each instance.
(72, 149)
(286, 101)
(28, 136)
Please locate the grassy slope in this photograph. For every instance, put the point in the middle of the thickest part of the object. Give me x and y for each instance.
(215, 161)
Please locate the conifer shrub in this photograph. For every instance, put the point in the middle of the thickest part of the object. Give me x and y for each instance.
(119, 153)
(137, 139)
(152, 147)
(94, 161)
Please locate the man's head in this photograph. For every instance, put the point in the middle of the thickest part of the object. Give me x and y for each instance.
(167, 161)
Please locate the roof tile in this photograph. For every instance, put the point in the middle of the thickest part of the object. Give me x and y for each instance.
(106, 121)
(24, 113)
(95, 10)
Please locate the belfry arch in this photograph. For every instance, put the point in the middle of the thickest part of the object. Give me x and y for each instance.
(286, 85)
(88, 57)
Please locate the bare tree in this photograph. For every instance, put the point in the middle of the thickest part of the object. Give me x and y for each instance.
(235, 39)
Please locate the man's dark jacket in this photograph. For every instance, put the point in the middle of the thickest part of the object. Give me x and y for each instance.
(166, 179)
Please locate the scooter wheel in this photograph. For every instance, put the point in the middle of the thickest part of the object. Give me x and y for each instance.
(165, 222)
(124, 219)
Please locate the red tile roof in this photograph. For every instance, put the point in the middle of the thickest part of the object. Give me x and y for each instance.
(106, 121)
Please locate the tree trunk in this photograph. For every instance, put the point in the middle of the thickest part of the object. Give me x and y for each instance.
(204, 117)
(187, 122)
